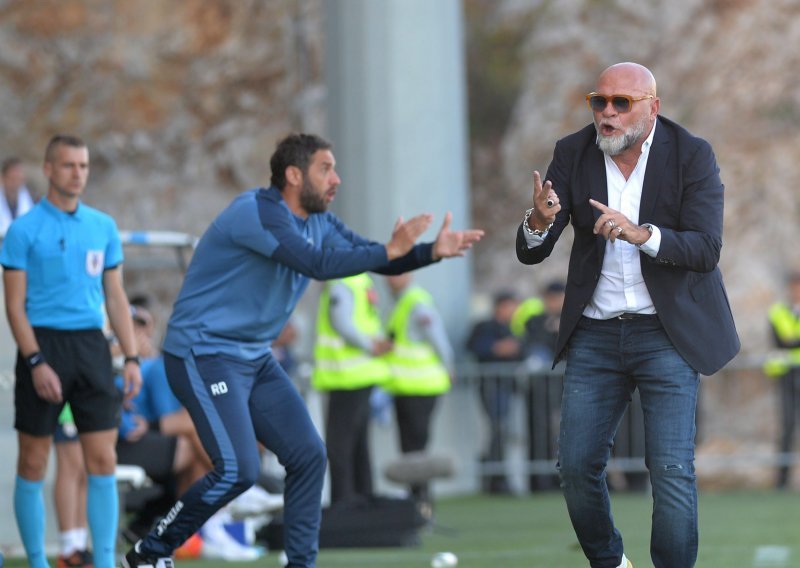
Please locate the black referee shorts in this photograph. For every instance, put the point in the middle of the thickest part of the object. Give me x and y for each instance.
(82, 360)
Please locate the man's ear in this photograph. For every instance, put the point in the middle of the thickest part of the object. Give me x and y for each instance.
(294, 175)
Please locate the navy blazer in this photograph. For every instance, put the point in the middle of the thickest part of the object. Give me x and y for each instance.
(683, 196)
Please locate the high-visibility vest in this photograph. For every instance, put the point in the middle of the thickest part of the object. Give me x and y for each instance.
(525, 311)
(787, 327)
(337, 365)
(416, 368)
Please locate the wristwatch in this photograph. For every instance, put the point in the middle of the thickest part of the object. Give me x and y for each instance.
(34, 359)
(134, 359)
(649, 227)
(534, 232)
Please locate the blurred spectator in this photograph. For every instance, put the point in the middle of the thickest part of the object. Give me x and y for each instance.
(421, 364)
(347, 364)
(17, 198)
(541, 332)
(491, 341)
(541, 329)
(784, 319)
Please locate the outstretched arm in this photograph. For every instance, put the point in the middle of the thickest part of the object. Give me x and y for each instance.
(454, 243)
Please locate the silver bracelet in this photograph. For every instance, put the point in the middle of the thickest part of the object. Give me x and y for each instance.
(534, 232)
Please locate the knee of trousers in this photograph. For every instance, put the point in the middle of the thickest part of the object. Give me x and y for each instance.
(671, 470)
(576, 470)
(241, 474)
(309, 455)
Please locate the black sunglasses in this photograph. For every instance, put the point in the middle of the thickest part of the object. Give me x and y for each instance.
(621, 103)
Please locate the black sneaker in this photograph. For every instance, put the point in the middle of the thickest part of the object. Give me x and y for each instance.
(136, 559)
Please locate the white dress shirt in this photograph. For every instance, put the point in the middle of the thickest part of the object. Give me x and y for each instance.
(24, 204)
(621, 287)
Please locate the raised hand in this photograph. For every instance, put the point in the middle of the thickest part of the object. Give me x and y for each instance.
(406, 233)
(454, 243)
(545, 203)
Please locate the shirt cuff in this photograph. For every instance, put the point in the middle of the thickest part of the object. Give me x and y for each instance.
(650, 246)
(534, 241)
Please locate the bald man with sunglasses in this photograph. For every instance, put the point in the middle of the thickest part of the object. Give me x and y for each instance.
(645, 305)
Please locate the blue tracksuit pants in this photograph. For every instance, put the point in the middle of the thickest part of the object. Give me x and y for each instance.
(234, 403)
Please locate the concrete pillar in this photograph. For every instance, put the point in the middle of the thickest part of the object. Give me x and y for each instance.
(397, 118)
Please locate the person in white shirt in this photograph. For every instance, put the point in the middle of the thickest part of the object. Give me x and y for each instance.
(16, 198)
(645, 306)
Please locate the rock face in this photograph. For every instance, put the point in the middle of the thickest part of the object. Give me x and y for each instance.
(723, 71)
(182, 103)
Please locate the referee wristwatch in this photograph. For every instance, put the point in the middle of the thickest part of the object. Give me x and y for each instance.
(34, 359)
(133, 359)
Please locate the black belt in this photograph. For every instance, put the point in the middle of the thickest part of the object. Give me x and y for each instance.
(631, 316)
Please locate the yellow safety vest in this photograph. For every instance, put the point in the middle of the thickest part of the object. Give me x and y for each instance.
(787, 328)
(525, 311)
(416, 368)
(337, 365)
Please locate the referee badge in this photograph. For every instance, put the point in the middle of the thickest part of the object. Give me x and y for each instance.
(94, 262)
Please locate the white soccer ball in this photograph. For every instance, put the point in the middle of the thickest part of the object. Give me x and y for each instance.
(444, 560)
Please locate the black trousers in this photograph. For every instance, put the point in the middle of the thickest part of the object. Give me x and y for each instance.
(347, 440)
(414, 414)
(789, 400)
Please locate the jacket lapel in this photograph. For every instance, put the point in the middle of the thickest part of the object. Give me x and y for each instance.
(653, 175)
(598, 188)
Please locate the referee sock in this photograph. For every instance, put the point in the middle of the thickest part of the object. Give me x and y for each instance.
(102, 510)
(29, 510)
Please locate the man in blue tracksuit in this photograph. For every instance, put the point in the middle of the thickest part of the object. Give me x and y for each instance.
(249, 270)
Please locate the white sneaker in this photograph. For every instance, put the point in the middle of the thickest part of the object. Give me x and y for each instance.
(255, 501)
(220, 545)
(625, 563)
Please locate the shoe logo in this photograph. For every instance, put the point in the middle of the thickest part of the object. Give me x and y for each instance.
(219, 388)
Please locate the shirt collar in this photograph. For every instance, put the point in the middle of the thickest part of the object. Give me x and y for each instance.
(649, 140)
(53, 210)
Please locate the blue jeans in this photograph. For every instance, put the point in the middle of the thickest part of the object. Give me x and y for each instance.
(606, 361)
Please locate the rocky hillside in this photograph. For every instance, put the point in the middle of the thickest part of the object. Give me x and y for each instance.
(724, 70)
(182, 103)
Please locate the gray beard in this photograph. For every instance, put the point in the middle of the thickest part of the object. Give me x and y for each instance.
(613, 145)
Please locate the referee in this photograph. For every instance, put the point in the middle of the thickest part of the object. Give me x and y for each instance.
(61, 261)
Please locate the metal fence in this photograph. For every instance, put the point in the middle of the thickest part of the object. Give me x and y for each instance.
(738, 425)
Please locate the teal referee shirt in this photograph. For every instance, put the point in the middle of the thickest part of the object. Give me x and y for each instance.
(64, 256)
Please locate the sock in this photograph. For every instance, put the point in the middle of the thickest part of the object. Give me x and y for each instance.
(80, 538)
(102, 509)
(29, 510)
(73, 540)
(67, 546)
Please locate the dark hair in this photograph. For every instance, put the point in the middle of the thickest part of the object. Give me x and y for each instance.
(504, 296)
(9, 163)
(61, 140)
(294, 150)
(555, 287)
